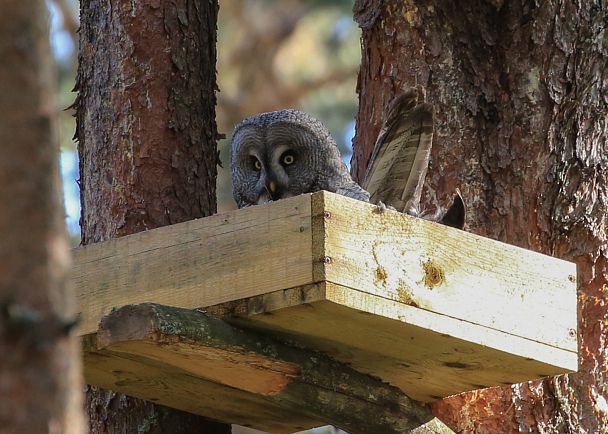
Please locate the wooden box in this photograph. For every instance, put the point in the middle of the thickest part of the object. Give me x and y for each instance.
(432, 310)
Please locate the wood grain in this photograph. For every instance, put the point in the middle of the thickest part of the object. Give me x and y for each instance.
(430, 309)
(199, 363)
(427, 355)
(450, 272)
(197, 263)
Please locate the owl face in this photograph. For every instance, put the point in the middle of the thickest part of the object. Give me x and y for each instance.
(278, 155)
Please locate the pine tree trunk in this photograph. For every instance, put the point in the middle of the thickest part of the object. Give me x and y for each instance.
(147, 144)
(40, 369)
(519, 90)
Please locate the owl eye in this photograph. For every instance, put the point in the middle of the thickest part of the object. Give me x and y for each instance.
(288, 158)
(255, 163)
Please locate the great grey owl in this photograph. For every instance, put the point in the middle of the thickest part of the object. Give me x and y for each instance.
(285, 153)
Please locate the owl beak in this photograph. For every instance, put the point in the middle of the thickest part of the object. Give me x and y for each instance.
(272, 189)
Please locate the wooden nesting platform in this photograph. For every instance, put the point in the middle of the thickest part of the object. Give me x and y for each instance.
(429, 309)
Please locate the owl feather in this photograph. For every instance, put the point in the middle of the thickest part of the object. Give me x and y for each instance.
(281, 154)
(398, 165)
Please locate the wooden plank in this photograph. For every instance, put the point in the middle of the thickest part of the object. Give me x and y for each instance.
(427, 355)
(447, 271)
(165, 384)
(181, 358)
(266, 248)
(197, 263)
(380, 290)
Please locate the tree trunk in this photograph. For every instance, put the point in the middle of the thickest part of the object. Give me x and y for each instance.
(40, 369)
(519, 90)
(147, 144)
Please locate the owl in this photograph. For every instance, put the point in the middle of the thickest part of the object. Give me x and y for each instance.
(285, 153)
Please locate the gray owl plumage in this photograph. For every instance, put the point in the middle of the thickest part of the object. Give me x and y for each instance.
(285, 153)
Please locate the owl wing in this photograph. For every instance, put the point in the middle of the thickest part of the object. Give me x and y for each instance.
(398, 165)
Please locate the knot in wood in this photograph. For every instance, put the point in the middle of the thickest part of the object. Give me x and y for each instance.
(433, 275)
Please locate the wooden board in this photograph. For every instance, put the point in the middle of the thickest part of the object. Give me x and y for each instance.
(199, 363)
(427, 355)
(160, 382)
(197, 263)
(449, 272)
(380, 290)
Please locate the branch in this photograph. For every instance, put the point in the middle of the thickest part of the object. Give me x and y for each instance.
(295, 379)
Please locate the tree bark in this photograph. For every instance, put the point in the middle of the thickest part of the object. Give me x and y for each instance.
(264, 373)
(40, 368)
(147, 145)
(146, 118)
(519, 92)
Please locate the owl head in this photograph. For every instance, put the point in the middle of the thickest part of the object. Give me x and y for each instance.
(281, 154)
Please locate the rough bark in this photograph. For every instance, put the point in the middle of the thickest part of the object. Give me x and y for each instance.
(146, 115)
(147, 144)
(40, 369)
(519, 90)
(294, 380)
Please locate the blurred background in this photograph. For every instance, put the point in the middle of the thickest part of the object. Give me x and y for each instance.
(271, 55)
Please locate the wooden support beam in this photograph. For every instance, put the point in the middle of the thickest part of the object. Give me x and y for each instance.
(428, 356)
(266, 383)
(429, 309)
